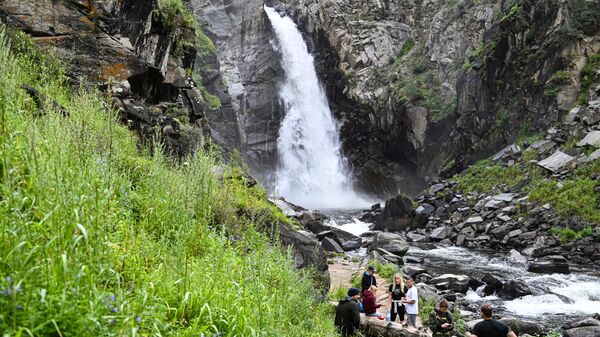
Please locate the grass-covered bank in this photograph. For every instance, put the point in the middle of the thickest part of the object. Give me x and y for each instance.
(98, 239)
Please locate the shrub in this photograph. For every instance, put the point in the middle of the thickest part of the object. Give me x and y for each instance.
(560, 77)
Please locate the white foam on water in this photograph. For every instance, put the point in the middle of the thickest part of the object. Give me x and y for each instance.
(312, 171)
(473, 296)
(355, 227)
(575, 298)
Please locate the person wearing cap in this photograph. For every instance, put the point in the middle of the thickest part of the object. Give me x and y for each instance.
(368, 279)
(347, 317)
(490, 327)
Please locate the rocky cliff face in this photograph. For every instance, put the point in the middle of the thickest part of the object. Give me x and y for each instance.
(246, 78)
(138, 53)
(420, 87)
(439, 84)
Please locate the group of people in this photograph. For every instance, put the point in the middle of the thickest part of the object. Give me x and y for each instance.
(404, 303)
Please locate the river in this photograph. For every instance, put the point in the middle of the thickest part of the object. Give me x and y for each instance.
(556, 298)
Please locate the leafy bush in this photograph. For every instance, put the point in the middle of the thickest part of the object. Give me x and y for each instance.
(99, 239)
(567, 234)
(175, 14)
(560, 77)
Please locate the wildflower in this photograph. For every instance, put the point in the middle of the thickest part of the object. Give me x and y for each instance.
(8, 279)
(19, 307)
(112, 298)
(114, 309)
(138, 319)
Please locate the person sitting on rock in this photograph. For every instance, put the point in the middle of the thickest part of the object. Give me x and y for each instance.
(370, 302)
(490, 327)
(347, 317)
(440, 320)
(397, 291)
(368, 279)
(411, 300)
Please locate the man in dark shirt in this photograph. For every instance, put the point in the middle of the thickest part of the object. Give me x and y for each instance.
(347, 317)
(368, 279)
(490, 327)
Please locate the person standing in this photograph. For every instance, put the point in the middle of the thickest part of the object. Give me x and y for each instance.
(347, 317)
(411, 300)
(440, 320)
(490, 327)
(368, 279)
(397, 291)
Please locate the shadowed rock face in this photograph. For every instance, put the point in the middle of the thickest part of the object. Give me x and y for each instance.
(127, 48)
(247, 85)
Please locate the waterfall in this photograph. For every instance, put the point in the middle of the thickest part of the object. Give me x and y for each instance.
(312, 172)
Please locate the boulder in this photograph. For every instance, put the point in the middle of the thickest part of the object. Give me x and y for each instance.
(492, 280)
(522, 327)
(312, 220)
(549, 265)
(516, 258)
(306, 252)
(441, 233)
(393, 243)
(587, 331)
(428, 293)
(556, 162)
(507, 152)
(414, 237)
(594, 155)
(425, 209)
(330, 245)
(413, 271)
(398, 215)
(514, 289)
(457, 283)
(591, 139)
(390, 257)
(474, 220)
(590, 321)
(347, 241)
(542, 146)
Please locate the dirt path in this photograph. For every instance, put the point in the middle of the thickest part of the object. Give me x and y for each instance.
(341, 274)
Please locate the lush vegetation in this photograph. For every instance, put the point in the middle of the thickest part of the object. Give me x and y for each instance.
(384, 270)
(483, 176)
(100, 239)
(587, 77)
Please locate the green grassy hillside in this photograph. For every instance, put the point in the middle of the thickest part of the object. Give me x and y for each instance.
(100, 239)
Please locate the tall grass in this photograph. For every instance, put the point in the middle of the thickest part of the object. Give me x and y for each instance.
(98, 239)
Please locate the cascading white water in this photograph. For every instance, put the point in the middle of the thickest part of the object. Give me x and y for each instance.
(312, 171)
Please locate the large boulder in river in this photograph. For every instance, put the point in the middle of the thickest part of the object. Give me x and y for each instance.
(391, 242)
(457, 283)
(514, 289)
(347, 241)
(550, 265)
(399, 215)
